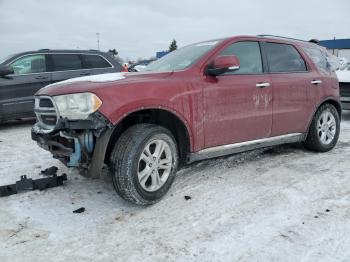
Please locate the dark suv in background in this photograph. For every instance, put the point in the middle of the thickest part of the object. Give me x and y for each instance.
(23, 74)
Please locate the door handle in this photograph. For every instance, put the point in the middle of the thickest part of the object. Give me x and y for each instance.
(316, 82)
(84, 73)
(41, 77)
(262, 85)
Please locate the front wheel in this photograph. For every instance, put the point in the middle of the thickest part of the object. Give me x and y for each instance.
(143, 163)
(324, 129)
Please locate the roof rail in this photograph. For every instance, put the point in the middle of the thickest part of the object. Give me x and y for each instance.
(44, 49)
(283, 37)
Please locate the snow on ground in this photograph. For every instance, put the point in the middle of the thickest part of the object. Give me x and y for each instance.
(280, 204)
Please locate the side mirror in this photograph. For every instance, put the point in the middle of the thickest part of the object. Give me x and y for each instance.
(222, 64)
(5, 70)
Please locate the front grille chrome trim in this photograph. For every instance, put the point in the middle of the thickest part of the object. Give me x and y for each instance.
(47, 111)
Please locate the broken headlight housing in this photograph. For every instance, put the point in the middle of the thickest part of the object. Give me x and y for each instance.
(77, 106)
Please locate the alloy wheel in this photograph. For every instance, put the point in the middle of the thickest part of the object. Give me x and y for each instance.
(154, 165)
(326, 127)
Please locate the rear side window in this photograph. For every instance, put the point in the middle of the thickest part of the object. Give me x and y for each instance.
(95, 61)
(29, 65)
(248, 53)
(284, 58)
(63, 62)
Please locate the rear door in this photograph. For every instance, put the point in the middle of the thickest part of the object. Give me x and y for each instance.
(292, 105)
(324, 76)
(238, 104)
(17, 90)
(97, 64)
(66, 66)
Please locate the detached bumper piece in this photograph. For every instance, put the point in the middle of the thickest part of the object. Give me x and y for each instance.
(28, 184)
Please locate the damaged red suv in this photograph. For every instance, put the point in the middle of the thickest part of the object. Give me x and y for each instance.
(204, 100)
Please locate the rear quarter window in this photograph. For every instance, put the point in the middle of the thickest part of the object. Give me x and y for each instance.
(321, 58)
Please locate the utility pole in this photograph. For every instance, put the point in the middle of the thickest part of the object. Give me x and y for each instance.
(98, 40)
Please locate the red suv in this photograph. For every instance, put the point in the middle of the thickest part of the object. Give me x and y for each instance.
(204, 100)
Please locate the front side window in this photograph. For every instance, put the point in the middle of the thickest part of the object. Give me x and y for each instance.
(249, 56)
(29, 65)
(284, 58)
(64, 62)
(95, 61)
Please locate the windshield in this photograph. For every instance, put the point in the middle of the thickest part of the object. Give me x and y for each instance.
(181, 58)
(3, 59)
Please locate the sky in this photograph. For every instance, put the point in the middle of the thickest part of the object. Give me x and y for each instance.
(139, 28)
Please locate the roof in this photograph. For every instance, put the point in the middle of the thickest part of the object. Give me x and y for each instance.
(56, 51)
(282, 38)
(336, 43)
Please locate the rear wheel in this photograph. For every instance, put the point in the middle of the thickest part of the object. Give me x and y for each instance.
(143, 163)
(324, 129)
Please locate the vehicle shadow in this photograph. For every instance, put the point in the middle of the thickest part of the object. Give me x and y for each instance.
(17, 123)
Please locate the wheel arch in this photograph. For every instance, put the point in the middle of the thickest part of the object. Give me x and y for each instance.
(332, 101)
(329, 100)
(160, 116)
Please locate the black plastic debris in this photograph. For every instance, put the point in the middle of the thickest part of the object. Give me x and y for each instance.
(28, 184)
(49, 171)
(187, 197)
(79, 210)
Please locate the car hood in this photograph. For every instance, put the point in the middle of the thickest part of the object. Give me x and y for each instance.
(91, 83)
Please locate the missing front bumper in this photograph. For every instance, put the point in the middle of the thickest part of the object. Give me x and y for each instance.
(79, 143)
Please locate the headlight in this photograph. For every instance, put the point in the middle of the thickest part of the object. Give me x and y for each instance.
(77, 106)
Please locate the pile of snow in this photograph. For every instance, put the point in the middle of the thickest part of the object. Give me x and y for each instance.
(282, 204)
(343, 73)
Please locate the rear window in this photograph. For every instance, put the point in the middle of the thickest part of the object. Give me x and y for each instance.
(63, 62)
(95, 61)
(284, 58)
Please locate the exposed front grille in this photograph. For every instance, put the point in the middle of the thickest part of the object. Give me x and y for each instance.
(45, 112)
(45, 102)
(344, 89)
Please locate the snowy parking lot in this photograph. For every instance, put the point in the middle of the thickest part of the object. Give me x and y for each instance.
(279, 204)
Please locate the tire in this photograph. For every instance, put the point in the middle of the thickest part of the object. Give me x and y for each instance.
(131, 163)
(323, 135)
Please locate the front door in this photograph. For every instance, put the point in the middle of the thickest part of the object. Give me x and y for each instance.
(17, 90)
(238, 104)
